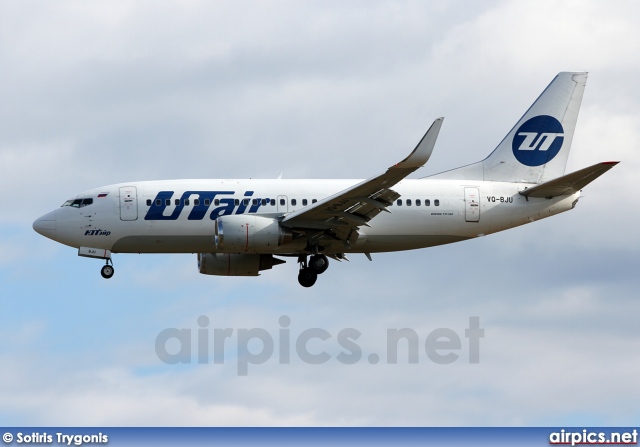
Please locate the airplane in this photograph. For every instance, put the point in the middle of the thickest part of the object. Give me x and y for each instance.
(243, 227)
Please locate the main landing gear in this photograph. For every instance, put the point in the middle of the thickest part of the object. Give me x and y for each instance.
(309, 271)
(107, 270)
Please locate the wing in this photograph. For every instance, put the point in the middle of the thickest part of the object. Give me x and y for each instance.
(570, 183)
(340, 215)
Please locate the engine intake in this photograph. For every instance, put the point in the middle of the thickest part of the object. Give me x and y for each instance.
(249, 234)
(224, 264)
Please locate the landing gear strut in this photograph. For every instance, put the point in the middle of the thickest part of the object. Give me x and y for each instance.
(309, 272)
(107, 270)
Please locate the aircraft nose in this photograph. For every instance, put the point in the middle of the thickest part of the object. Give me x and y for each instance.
(46, 225)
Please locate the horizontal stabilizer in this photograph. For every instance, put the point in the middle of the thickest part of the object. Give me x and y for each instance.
(570, 183)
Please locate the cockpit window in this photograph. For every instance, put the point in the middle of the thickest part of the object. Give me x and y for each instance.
(78, 203)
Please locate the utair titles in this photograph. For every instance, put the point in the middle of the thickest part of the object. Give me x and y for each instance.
(201, 204)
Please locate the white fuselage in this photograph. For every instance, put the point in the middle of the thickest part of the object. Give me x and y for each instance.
(177, 216)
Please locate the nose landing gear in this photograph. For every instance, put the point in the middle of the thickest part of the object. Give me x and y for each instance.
(99, 253)
(107, 270)
(309, 271)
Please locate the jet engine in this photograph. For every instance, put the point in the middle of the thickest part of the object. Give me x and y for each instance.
(249, 234)
(235, 265)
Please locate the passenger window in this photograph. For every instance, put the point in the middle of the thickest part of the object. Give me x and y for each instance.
(264, 202)
(436, 202)
(186, 202)
(418, 202)
(236, 202)
(207, 202)
(408, 202)
(399, 202)
(167, 202)
(427, 202)
(304, 202)
(177, 202)
(158, 202)
(216, 202)
(254, 202)
(293, 202)
(282, 202)
(196, 202)
(273, 202)
(245, 202)
(148, 202)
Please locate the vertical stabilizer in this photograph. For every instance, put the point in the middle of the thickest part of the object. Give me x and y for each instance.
(537, 148)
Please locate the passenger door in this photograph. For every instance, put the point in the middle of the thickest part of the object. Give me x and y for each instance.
(128, 203)
(472, 204)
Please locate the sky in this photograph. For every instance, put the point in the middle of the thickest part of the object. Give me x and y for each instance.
(96, 93)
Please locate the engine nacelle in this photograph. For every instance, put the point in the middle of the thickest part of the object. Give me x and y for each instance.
(235, 265)
(249, 234)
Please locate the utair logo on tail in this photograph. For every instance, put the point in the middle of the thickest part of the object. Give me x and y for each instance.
(538, 140)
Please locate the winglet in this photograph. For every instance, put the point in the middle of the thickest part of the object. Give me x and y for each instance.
(423, 150)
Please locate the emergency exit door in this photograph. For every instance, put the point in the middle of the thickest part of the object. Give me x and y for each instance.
(283, 204)
(472, 204)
